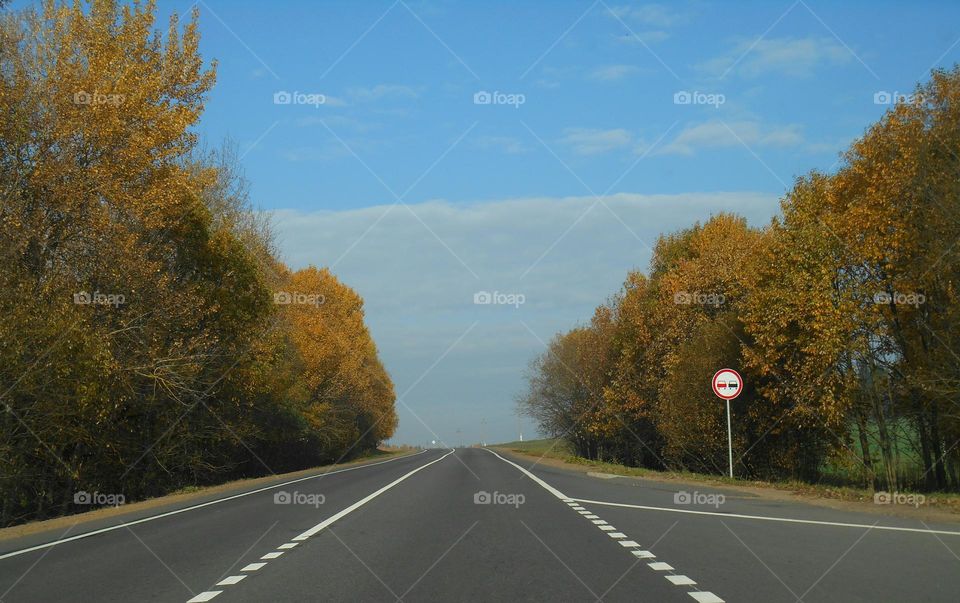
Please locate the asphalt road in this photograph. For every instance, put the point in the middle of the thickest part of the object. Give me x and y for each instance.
(472, 525)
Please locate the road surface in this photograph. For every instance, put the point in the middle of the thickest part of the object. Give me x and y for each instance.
(474, 525)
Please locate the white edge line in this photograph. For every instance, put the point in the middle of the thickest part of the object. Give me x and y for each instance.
(333, 518)
(761, 517)
(183, 510)
(544, 484)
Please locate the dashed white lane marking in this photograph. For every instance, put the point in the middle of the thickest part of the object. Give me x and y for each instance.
(198, 506)
(252, 567)
(765, 518)
(333, 518)
(206, 596)
(705, 597)
(574, 503)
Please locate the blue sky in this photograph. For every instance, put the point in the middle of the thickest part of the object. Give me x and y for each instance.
(555, 198)
(598, 97)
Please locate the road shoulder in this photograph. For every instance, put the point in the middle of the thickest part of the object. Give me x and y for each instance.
(181, 500)
(755, 490)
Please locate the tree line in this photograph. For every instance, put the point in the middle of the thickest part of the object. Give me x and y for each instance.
(150, 339)
(842, 315)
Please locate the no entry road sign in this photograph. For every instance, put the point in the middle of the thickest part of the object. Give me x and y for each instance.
(727, 384)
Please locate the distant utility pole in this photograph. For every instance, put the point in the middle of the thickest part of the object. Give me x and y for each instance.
(483, 431)
(519, 428)
(459, 437)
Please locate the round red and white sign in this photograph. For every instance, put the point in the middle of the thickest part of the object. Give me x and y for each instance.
(727, 384)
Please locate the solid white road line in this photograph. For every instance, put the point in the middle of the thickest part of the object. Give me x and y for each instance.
(205, 596)
(542, 483)
(765, 518)
(231, 580)
(191, 508)
(333, 518)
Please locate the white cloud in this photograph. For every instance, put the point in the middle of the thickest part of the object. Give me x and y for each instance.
(654, 15)
(505, 144)
(419, 297)
(380, 91)
(718, 134)
(591, 141)
(654, 36)
(337, 121)
(315, 153)
(790, 56)
(609, 73)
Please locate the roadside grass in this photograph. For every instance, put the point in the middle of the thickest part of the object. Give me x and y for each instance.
(382, 451)
(551, 448)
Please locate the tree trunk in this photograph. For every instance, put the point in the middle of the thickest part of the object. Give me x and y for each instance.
(870, 479)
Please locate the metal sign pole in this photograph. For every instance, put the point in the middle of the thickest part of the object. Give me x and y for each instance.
(729, 439)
